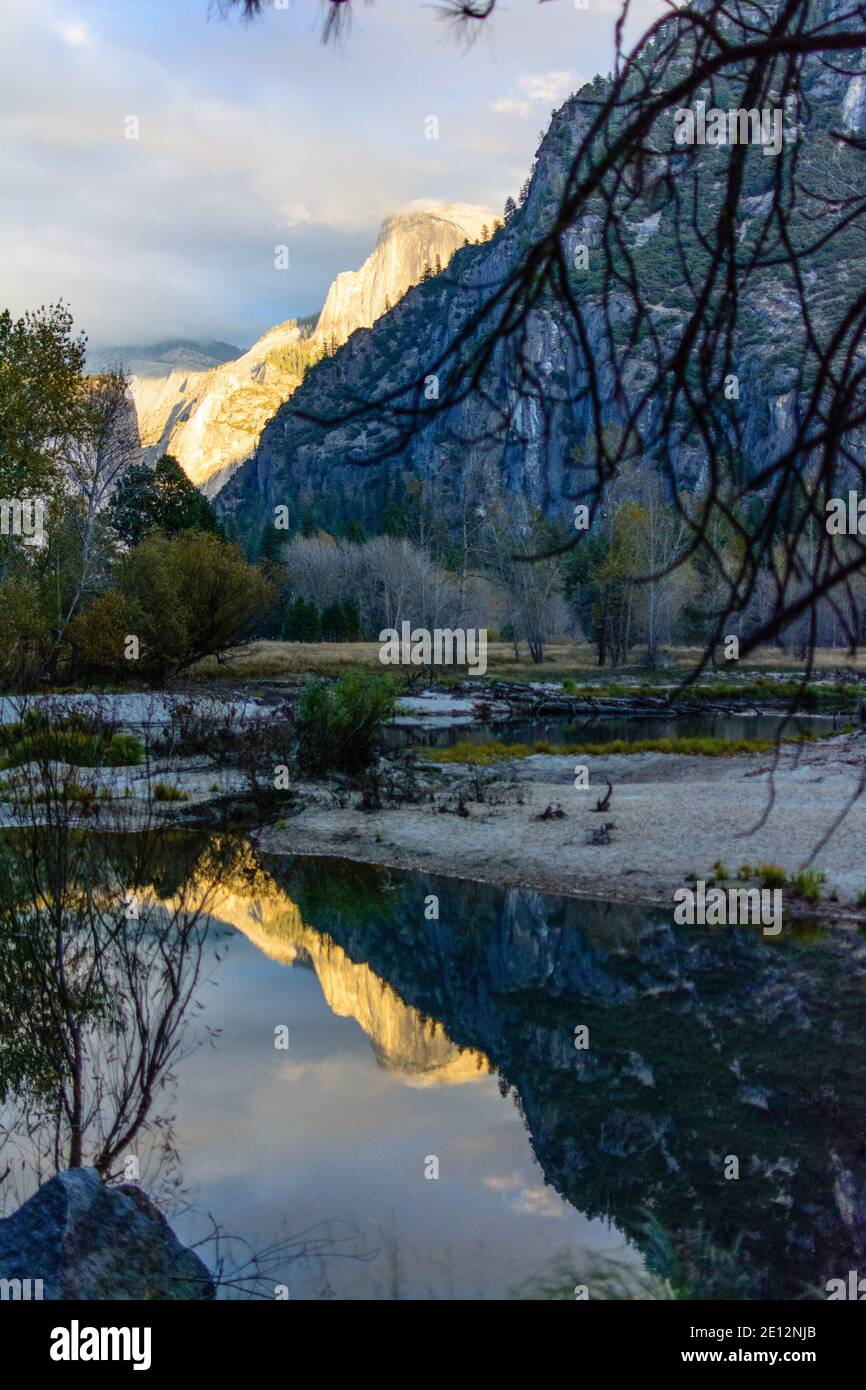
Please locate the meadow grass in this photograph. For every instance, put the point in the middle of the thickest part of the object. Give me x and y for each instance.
(164, 791)
(571, 663)
(23, 743)
(484, 754)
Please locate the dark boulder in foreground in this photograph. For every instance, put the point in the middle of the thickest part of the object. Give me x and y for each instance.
(84, 1240)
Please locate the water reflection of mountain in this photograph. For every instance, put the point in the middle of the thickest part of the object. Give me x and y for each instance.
(703, 1044)
(403, 1040)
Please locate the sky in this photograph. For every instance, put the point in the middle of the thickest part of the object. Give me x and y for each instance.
(252, 137)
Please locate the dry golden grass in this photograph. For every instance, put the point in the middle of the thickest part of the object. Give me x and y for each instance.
(827, 659)
(288, 660)
(562, 660)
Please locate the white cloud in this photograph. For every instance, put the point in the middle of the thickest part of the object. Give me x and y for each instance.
(250, 136)
(75, 33)
(504, 1184)
(296, 214)
(534, 89)
(529, 1201)
(550, 86)
(511, 104)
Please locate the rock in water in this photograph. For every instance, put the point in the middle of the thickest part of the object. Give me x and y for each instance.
(84, 1239)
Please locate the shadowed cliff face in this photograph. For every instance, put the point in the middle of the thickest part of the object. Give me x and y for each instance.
(703, 1044)
(527, 427)
(211, 420)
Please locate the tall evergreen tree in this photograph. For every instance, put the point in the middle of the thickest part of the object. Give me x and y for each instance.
(351, 620)
(353, 531)
(309, 521)
(162, 497)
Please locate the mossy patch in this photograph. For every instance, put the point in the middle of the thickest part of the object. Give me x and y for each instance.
(485, 754)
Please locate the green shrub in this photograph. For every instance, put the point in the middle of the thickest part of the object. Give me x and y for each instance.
(124, 750)
(68, 790)
(35, 739)
(164, 791)
(807, 883)
(339, 725)
(770, 875)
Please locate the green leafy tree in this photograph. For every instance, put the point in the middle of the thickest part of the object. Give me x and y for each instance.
(312, 627)
(26, 635)
(271, 543)
(302, 622)
(293, 623)
(332, 623)
(309, 523)
(42, 398)
(354, 532)
(351, 620)
(183, 597)
(339, 725)
(584, 589)
(160, 497)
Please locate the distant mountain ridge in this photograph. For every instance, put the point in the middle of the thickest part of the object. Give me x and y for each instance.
(210, 413)
(499, 440)
(160, 359)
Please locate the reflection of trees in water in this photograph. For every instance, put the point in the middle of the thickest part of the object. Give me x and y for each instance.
(99, 971)
(102, 955)
(675, 1269)
(702, 1044)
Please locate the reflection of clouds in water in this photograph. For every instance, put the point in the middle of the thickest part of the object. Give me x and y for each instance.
(529, 1201)
(540, 1201)
(273, 1143)
(296, 1071)
(415, 1049)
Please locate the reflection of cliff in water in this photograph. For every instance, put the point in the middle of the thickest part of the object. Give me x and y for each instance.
(703, 1044)
(403, 1040)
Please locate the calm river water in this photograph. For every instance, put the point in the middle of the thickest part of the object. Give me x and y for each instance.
(381, 1095)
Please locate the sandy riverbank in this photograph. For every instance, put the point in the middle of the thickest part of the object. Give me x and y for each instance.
(673, 817)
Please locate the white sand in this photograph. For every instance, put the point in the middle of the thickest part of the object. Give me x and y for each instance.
(674, 817)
